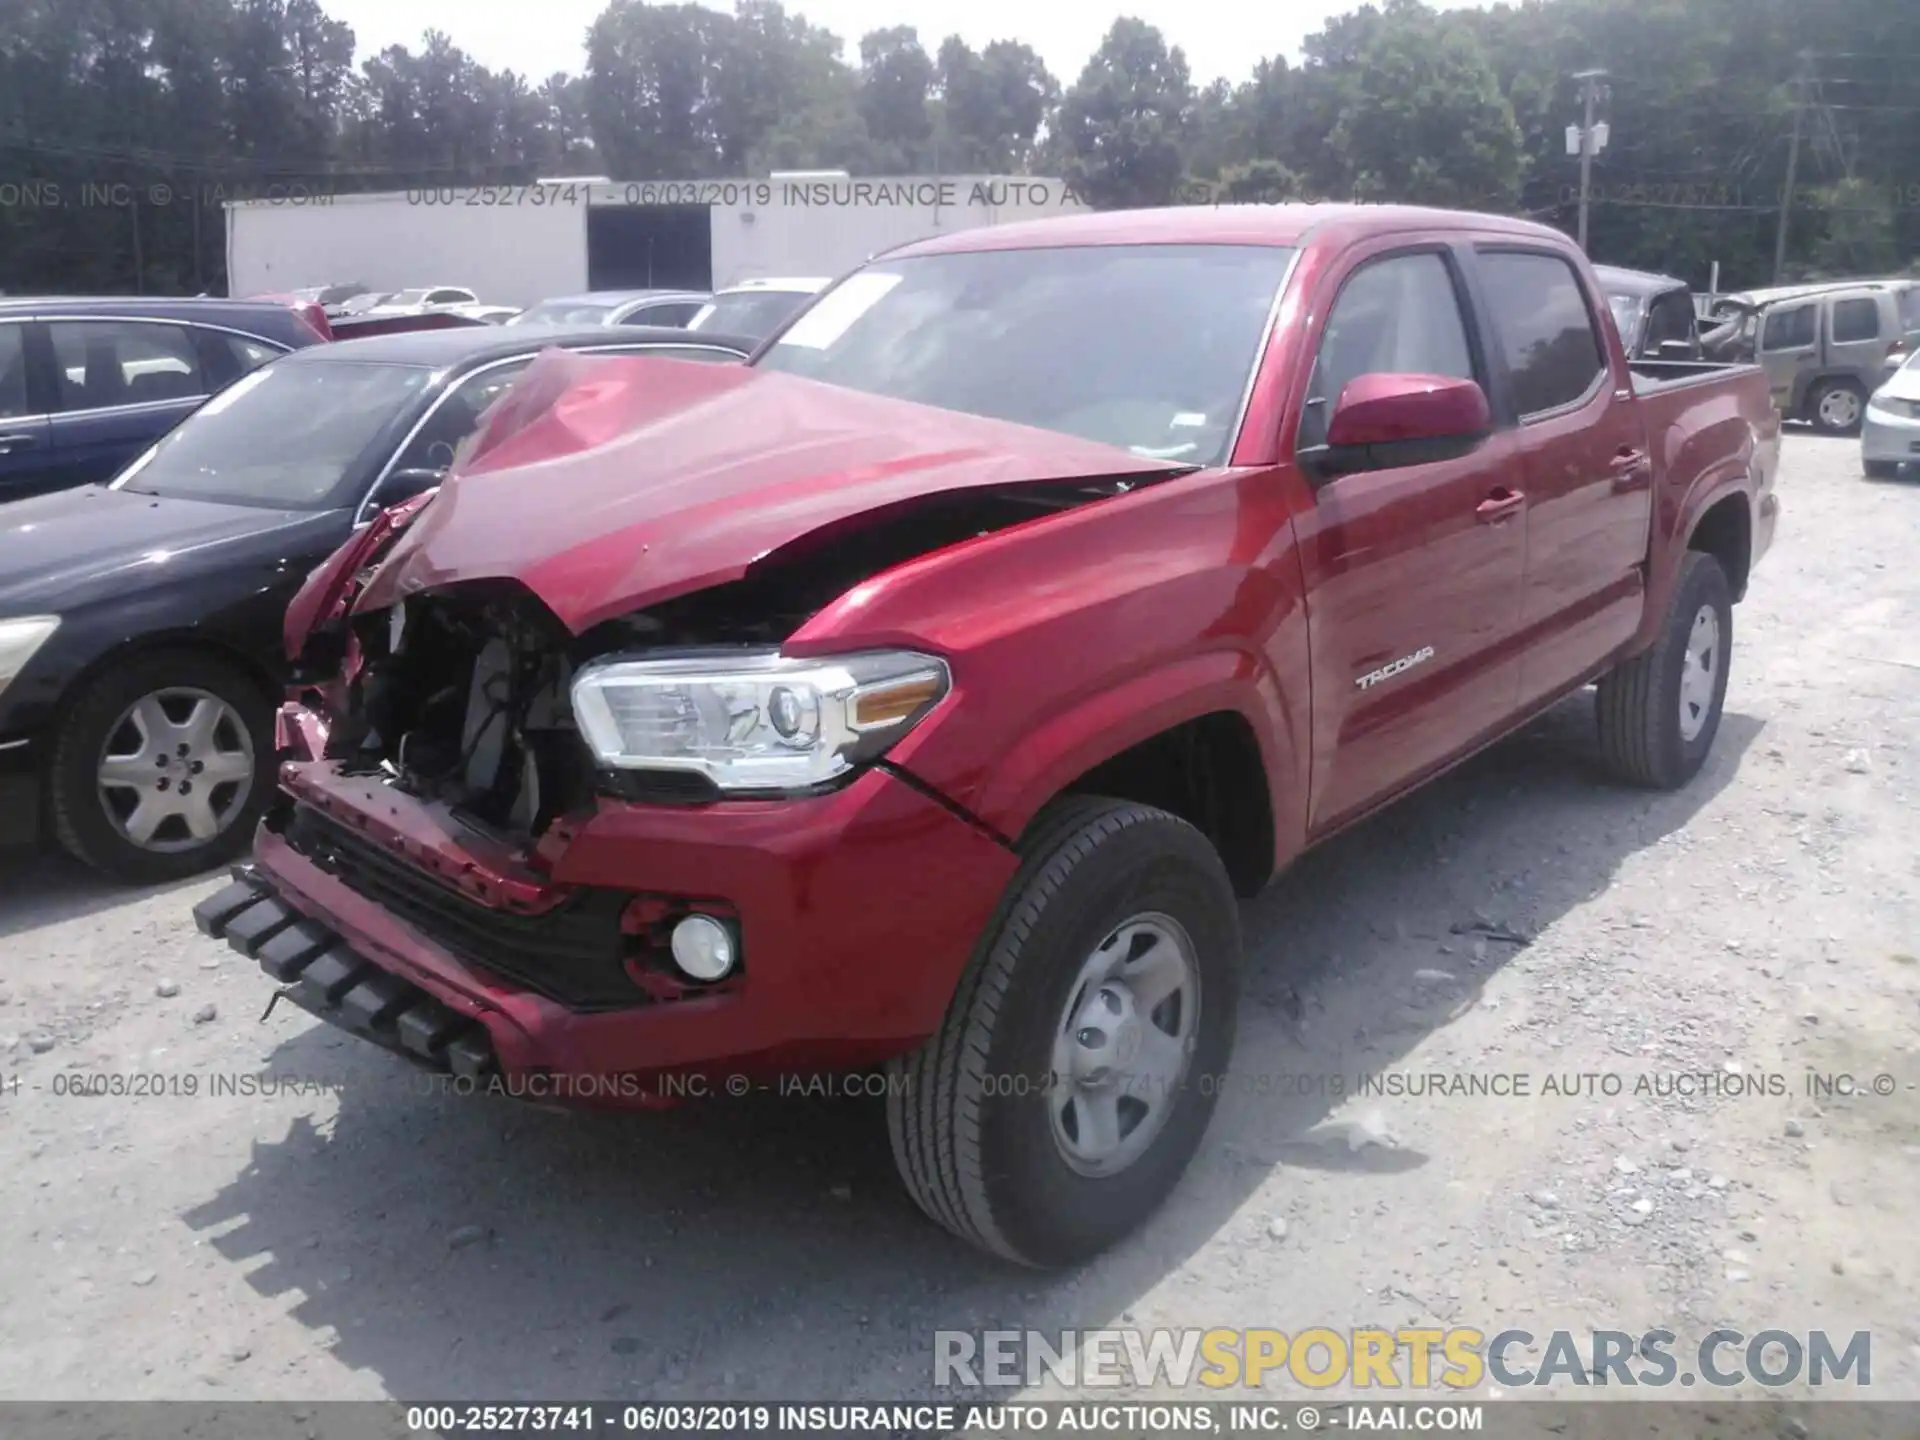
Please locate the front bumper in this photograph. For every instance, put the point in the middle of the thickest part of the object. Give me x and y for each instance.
(857, 912)
(1887, 438)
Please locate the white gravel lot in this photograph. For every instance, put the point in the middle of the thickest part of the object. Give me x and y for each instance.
(353, 1236)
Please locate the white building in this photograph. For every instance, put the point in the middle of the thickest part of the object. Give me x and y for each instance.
(515, 245)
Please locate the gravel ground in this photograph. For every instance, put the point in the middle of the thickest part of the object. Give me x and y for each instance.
(354, 1236)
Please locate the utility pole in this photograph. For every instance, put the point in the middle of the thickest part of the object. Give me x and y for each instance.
(1800, 79)
(1586, 140)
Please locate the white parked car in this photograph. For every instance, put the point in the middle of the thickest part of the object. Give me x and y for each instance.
(1890, 431)
(426, 297)
(754, 309)
(672, 308)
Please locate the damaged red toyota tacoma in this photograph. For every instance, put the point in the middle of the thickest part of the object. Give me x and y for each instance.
(923, 693)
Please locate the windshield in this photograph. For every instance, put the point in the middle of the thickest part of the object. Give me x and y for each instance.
(750, 314)
(564, 312)
(287, 436)
(1148, 347)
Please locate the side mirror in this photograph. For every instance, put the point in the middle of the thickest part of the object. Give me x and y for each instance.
(1384, 422)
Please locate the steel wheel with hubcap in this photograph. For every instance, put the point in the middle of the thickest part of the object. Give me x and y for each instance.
(162, 766)
(1660, 710)
(1699, 673)
(1082, 1052)
(176, 770)
(1124, 1044)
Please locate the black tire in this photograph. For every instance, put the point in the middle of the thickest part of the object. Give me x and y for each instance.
(1816, 402)
(1641, 736)
(968, 1113)
(1881, 469)
(80, 815)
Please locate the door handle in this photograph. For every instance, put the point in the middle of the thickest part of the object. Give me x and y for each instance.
(1502, 504)
(1630, 467)
(11, 443)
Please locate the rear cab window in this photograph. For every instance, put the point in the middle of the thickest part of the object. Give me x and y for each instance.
(1543, 328)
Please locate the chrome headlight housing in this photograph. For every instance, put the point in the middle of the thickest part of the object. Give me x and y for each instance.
(754, 720)
(19, 639)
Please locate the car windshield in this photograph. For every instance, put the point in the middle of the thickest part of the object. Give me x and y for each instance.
(1147, 347)
(566, 312)
(751, 314)
(289, 437)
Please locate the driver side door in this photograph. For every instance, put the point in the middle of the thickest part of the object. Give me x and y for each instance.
(1414, 573)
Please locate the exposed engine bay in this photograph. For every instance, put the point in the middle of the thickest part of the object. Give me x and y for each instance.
(462, 694)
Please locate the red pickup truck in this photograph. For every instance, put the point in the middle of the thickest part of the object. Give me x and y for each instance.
(919, 697)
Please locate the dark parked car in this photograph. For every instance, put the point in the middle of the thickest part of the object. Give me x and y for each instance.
(140, 622)
(86, 385)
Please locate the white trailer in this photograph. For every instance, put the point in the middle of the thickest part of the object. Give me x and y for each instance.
(515, 245)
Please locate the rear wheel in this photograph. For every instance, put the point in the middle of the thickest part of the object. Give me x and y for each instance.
(1836, 407)
(163, 767)
(1660, 711)
(1079, 1060)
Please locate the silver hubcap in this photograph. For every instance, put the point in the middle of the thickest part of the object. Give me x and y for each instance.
(176, 769)
(1840, 409)
(1699, 672)
(1125, 1039)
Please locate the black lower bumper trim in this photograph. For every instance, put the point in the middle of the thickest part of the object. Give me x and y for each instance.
(328, 978)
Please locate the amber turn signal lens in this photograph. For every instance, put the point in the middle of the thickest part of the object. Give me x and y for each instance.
(896, 700)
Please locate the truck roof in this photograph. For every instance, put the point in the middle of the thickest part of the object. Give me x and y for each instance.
(1293, 224)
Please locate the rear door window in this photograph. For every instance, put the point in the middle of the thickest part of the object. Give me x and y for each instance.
(102, 363)
(1855, 320)
(1543, 326)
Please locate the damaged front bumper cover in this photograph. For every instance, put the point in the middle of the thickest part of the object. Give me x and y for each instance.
(325, 976)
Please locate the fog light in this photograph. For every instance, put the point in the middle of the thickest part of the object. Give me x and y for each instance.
(703, 947)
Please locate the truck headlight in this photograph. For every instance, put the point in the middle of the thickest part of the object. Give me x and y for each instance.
(19, 639)
(754, 720)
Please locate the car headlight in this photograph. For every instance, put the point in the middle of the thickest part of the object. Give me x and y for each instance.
(754, 720)
(19, 639)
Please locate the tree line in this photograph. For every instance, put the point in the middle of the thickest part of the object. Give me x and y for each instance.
(124, 126)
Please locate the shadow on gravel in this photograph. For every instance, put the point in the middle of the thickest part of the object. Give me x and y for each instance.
(47, 889)
(465, 1247)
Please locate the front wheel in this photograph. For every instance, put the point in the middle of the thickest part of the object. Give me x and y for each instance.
(1660, 711)
(1080, 1058)
(1881, 469)
(162, 767)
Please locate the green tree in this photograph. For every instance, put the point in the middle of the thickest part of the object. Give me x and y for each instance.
(1122, 126)
(896, 82)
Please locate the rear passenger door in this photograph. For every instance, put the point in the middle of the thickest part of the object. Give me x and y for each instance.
(1857, 338)
(1419, 566)
(119, 385)
(1587, 476)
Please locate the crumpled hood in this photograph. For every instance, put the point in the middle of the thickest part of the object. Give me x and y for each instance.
(605, 484)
